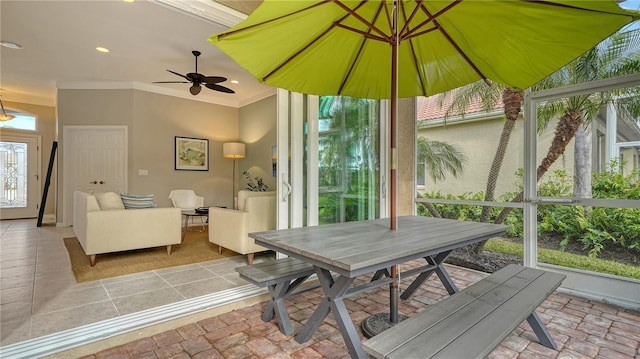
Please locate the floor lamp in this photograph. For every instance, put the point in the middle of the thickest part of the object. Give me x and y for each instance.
(233, 150)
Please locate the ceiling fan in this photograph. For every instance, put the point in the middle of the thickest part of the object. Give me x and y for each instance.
(197, 79)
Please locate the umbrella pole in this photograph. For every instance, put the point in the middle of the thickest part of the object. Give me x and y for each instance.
(377, 323)
(393, 287)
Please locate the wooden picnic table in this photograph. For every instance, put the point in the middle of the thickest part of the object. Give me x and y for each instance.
(355, 248)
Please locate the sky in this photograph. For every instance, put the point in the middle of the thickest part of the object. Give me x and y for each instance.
(631, 4)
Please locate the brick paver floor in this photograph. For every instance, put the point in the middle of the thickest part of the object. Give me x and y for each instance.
(581, 328)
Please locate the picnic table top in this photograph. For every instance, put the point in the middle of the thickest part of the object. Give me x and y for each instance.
(355, 248)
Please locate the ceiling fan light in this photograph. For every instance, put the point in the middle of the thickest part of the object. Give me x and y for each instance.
(195, 89)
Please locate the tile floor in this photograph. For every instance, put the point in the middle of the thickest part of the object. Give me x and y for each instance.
(37, 287)
(39, 294)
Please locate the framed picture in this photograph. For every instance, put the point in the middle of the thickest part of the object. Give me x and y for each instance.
(191, 154)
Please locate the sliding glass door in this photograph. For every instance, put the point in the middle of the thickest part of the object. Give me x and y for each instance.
(328, 159)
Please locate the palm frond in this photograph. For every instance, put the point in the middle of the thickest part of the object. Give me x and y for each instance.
(440, 158)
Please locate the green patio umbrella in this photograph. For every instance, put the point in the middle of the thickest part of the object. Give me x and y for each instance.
(390, 49)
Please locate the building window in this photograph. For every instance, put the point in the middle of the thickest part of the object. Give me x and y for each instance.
(420, 175)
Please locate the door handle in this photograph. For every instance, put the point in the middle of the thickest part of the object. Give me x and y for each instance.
(286, 192)
(102, 182)
(93, 182)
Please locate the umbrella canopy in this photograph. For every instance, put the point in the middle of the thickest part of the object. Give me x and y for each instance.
(326, 47)
(386, 49)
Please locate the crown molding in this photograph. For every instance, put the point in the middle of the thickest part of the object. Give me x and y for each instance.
(124, 85)
(207, 9)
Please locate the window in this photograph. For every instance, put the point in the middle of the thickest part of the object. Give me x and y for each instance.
(23, 121)
(420, 175)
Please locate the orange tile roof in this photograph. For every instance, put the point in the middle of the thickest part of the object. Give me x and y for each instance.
(428, 108)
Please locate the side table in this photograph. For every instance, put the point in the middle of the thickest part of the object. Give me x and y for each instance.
(191, 214)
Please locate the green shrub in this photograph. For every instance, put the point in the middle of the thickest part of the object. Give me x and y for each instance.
(596, 229)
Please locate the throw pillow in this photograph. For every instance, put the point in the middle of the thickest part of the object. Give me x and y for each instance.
(133, 201)
(109, 200)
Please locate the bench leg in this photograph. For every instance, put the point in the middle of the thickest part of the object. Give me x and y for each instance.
(437, 261)
(541, 331)
(276, 307)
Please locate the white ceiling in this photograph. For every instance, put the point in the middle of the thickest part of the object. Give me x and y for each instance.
(145, 38)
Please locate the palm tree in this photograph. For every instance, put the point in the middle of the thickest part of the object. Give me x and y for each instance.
(489, 96)
(439, 158)
(615, 56)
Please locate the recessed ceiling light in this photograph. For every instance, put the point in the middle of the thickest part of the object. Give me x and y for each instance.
(128, 0)
(102, 49)
(234, 81)
(11, 45)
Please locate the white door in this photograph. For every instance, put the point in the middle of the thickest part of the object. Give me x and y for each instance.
(19, 176)
(95, 160)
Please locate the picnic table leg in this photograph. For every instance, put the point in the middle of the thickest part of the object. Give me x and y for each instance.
(438, 262)
(334, 293)
(277, 308)
(541, 331)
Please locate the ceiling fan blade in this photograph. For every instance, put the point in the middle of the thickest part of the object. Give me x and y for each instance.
(194, 77)
(213, 79)
(181, 75)
(195, 89)
(170, 82)
(219, 88)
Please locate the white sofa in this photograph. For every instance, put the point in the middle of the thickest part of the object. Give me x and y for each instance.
(229, 228)
(113, 230)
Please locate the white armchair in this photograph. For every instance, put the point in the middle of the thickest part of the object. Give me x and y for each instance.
(229, 228)
(186, 199)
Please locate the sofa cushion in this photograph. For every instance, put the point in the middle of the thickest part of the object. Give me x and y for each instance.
(109, 200)
(133, 201)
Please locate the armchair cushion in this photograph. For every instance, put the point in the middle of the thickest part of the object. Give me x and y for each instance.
(109, 200)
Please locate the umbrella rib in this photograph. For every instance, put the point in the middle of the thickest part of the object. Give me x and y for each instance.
(225, 34)
(430, 19)
(292, 57)
(413, 51)
(370, 25)
(407, 21)
(355, 59)
(453, 43)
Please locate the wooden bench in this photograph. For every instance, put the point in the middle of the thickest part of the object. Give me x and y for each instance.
(472, 322)
(282, 277)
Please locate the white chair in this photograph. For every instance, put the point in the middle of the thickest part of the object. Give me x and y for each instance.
(186, 200)
(229, 228)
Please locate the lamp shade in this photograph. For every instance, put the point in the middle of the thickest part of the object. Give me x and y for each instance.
(233, 150)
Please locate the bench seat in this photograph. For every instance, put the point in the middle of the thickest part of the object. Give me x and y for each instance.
(472, 322)
(282, 277)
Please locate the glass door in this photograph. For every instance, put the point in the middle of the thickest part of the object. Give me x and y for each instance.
(19, 176)
(328, 160)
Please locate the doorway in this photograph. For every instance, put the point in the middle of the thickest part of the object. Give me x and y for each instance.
(19, 173)
(329, 159)
(95, 160)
